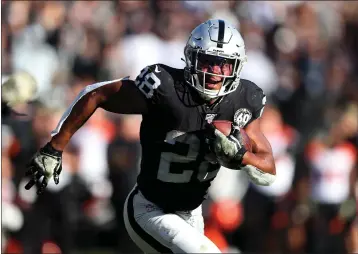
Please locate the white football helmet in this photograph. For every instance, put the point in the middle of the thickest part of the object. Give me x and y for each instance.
(215, 41)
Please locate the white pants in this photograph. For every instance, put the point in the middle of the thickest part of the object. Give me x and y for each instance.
(157, 232)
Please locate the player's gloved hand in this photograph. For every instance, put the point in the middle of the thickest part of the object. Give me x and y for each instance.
(47, 162)
(229, 149)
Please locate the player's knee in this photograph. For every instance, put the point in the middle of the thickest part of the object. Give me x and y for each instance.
(179, 236)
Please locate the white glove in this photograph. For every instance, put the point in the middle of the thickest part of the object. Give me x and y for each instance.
(46, 163)
(229, 149)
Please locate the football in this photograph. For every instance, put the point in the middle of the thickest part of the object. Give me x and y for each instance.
(225, 127)
(247, 140)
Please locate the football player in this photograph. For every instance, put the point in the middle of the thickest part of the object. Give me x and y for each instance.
(19, 88)
(180, 148)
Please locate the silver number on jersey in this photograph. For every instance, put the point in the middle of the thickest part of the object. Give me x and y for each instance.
(167, 158)
(147, 81)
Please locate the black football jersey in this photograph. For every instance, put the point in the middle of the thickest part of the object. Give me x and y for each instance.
(177, 165)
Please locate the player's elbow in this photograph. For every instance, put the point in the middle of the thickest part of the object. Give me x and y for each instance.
(259, 177)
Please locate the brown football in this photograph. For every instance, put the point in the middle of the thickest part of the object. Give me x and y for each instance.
(225, 127)
(247, 140)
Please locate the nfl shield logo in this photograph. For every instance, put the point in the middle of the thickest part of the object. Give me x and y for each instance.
(210, 117)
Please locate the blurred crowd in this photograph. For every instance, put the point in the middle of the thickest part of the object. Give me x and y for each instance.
(303, 54)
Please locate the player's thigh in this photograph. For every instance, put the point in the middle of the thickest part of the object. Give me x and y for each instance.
(144, 241)
(154, 231)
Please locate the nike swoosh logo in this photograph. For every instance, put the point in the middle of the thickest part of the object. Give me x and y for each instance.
(174, 134)
(156, 69)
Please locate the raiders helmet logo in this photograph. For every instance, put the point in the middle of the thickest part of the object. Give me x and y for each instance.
(242, 117)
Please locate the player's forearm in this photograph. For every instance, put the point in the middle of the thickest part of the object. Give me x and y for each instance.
(74, 117)
(84, 105)
(263, 161)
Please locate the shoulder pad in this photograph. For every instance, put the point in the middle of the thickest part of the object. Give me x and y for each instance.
(250, 104)
(255, 96)
(155, 79)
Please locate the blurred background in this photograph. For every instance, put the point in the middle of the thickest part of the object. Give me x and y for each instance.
(304, 55)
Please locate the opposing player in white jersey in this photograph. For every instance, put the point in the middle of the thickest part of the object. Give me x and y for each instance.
(181, 150)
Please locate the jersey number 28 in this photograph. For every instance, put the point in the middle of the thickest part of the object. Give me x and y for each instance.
(183, 166)
(147, 81)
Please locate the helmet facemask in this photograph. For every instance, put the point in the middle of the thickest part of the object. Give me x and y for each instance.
(201, 65)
